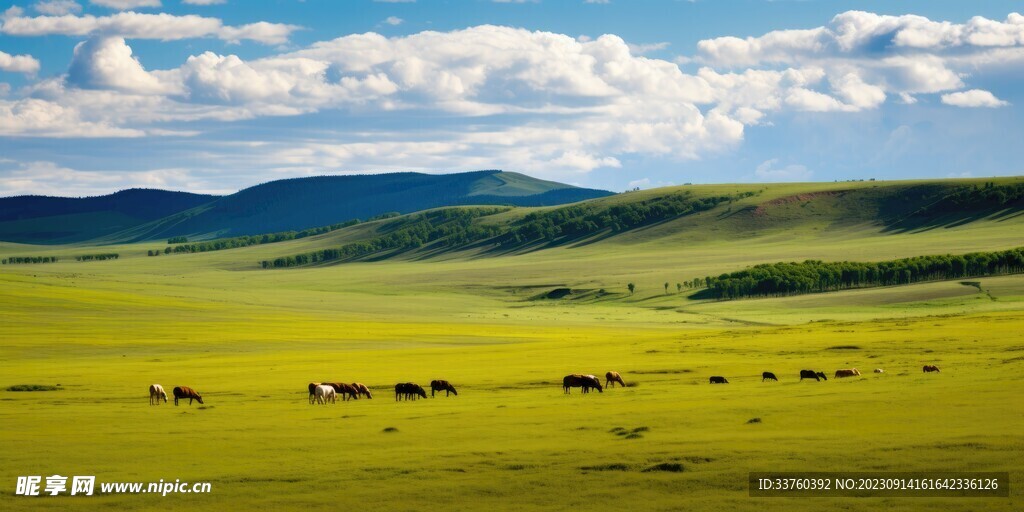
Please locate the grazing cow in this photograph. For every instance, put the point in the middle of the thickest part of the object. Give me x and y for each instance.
(186, 392)
(930, 368)
(769, 376)
(347, 391)
(362, 389)
(810, 374)
(850, 372)
(312, 391)
(409, 391)
(585, 382)
(718, 380)
(879, 370)
(156, 392)
(442, 385)
(821, 375)
(325, 393)
(611, 378)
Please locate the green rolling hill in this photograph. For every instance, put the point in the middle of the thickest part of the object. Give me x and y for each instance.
(55, 220)
(282, 205)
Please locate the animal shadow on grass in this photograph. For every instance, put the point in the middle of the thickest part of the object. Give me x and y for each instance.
(670, 467)
(625, 433)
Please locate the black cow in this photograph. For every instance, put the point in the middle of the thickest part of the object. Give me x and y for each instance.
(769, 376)
(718, 380)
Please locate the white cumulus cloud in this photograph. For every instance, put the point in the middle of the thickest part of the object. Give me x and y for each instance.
(973, 98)
(134, 25)
(18, 63)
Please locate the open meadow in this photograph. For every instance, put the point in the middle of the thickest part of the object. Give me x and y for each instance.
(249, 340)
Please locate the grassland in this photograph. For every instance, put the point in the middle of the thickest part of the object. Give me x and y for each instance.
(250, 340)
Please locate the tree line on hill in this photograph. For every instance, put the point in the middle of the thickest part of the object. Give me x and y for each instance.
(247, 240)
(584, 220)
(973, 197)
(445, 227)
(813, 276)
(15, 260)
(97, 257)
(455, 227)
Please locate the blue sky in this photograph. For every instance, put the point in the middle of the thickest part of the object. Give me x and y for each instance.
(214, 96)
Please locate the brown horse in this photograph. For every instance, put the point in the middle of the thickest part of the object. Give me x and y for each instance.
(345, 391)
(186, 392)
(849, 372)
(611, 378)
(442, 385)
(362, 389)
(930, 368)
(312, 390)
(584, 382)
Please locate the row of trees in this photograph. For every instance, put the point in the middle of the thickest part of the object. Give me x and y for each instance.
(811, 276)
(584, 220)
(14, 260)
(247, 240)
(973, 198)
(97, 257)
(455, 227)
(446, 227)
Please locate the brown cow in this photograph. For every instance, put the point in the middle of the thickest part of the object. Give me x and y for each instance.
(362, 389)
(585, 382)
(186, 392)
(851, 372)
(345, 391)
(442, 385)
(611, 378)
(930, 368)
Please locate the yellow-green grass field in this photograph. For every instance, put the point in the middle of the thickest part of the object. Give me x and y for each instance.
(250, 340)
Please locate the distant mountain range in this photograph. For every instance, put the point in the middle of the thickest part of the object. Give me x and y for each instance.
(283, 205)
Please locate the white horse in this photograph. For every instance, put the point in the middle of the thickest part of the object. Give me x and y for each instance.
(156, 392)
(325, 393)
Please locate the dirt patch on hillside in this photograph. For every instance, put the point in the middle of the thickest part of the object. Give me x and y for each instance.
(762, 209)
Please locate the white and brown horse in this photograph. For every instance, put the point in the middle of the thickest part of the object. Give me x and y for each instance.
(849, 372)
(325, 393)
(156, 392)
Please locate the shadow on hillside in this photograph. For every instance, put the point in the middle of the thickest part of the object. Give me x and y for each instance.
(916, 223)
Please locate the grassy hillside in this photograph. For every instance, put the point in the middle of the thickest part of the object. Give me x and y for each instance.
(685, 215)
(308, 202)
(251, 339)
(54, 220)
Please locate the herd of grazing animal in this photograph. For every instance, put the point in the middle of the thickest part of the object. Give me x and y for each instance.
(819, 376)
(327, 392)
